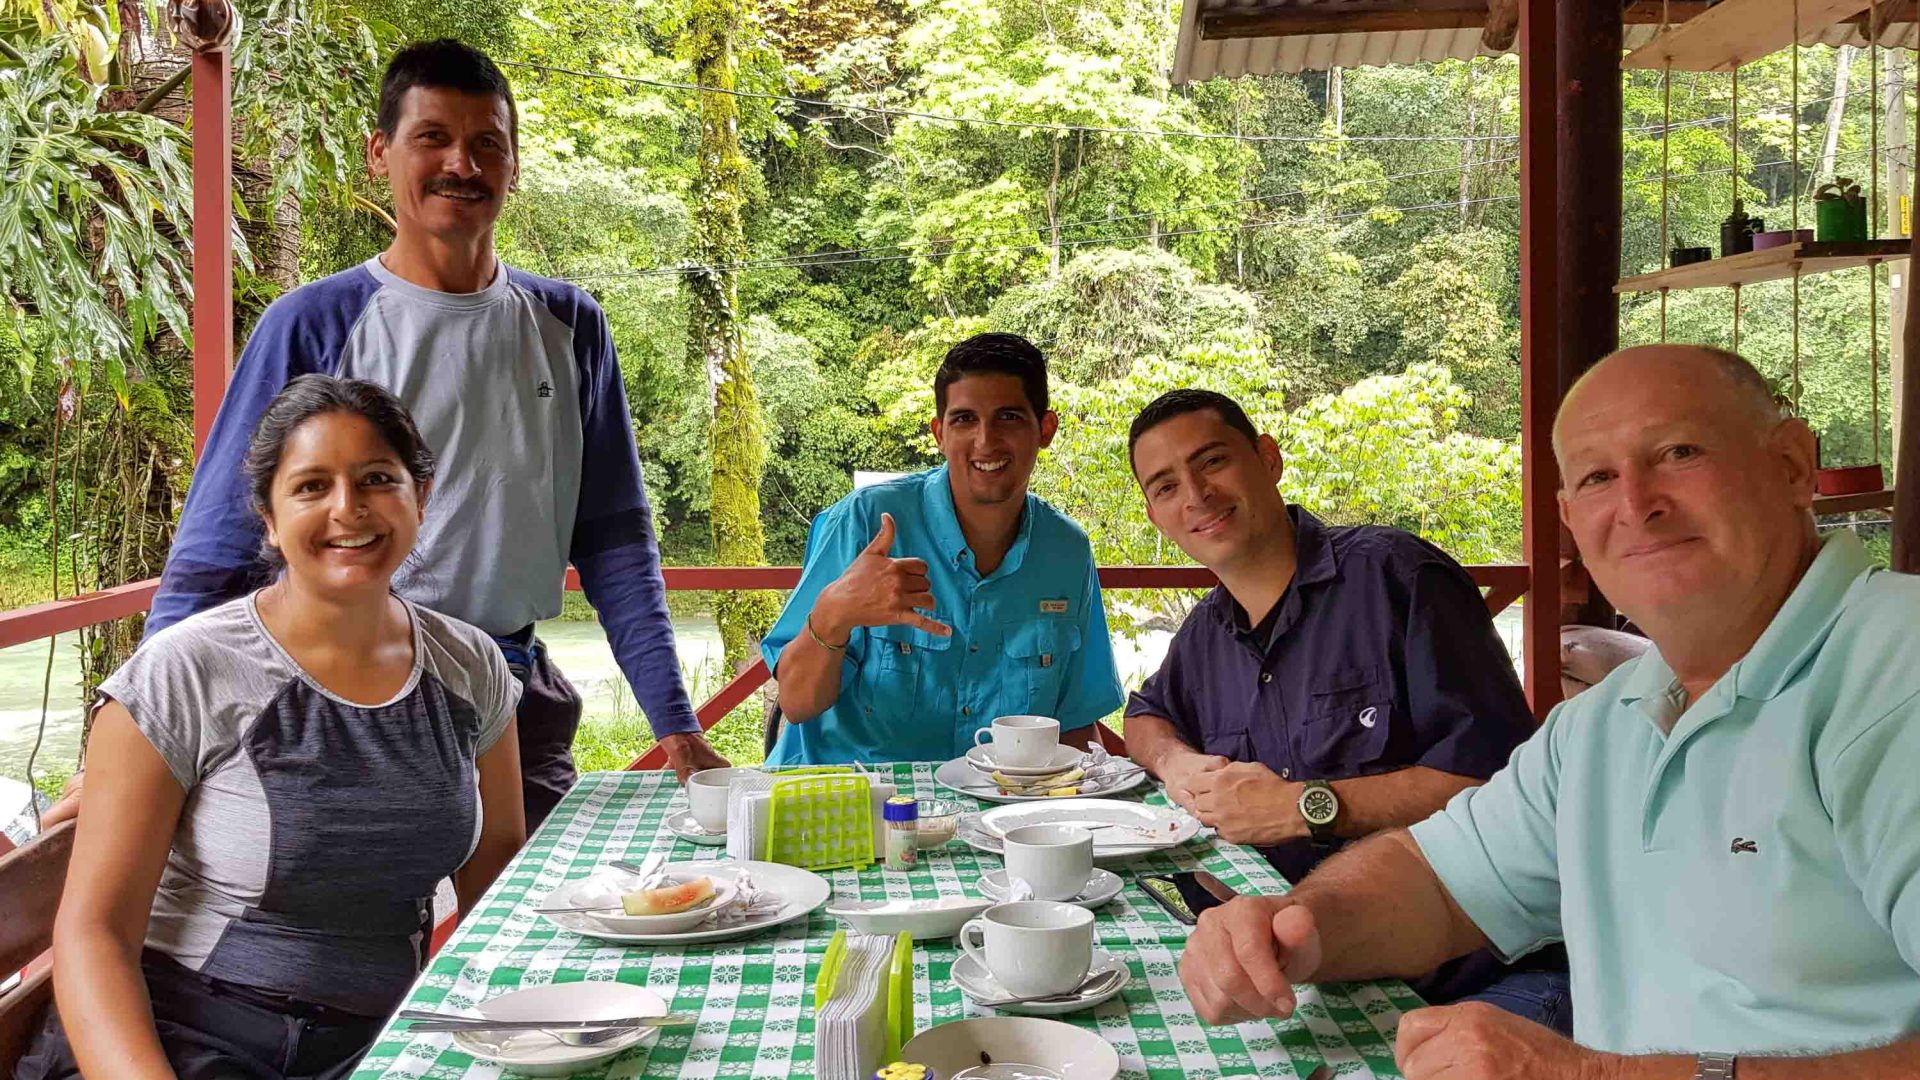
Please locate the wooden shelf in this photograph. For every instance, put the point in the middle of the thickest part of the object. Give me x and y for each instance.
(1771, 264)
(1736, 32)
(1851, 504)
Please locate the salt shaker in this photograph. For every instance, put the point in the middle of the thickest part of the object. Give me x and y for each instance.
(902, 814)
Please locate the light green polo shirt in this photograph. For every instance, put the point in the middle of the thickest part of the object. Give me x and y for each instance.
(1748, 883)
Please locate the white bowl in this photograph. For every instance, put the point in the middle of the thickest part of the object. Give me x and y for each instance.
(723, 891)
(536, 1053)
(1074, 1053)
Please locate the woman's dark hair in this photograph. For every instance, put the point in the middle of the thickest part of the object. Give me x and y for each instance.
(317, 395)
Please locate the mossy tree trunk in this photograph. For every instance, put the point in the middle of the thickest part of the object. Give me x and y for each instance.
(719, 243)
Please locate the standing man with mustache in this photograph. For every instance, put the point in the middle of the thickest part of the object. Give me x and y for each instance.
(933, 603)
(513, 381)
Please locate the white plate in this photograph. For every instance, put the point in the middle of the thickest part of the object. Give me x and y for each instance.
(536, 1053)
(800, 892)
(1075, 1053)
(958, 775)
(1064, 758)
(923, 919)
(1114, 823)
(980, 840)
(681, 824)
(1101, 888)
(979, 985)
(677, 922)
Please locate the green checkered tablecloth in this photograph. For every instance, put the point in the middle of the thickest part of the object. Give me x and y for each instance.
(753, 995)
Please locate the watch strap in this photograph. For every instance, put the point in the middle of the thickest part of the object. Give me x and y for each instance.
(1714, 1067)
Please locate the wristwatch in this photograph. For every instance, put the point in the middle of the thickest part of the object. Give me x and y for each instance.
(1319, 806)
(1714, 1067)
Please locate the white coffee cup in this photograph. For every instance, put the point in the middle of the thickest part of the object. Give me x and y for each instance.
(1032, 947)
(1021, 741)
(1054, 860)
(707, 796)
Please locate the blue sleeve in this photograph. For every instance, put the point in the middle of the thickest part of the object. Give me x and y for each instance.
(1496, 847)
(1874, 803)
(613, 544)
(1467, 709)
(1091, 688)
(216, 549)
(836, 538)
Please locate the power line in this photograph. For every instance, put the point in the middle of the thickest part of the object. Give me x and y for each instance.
(1027, 125)
(809, 259)
(1031, 125)
(789, 263)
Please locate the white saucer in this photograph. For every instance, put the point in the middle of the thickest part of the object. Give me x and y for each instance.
(1101, 888)
(960, 776)
(681, 823)
(536, 1053)
(978, 984)
(1064, 758)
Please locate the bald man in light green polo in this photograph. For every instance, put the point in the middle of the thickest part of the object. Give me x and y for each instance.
(1725, 832)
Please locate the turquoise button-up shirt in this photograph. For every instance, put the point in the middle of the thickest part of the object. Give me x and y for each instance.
(1740, 875)
(1030, 638)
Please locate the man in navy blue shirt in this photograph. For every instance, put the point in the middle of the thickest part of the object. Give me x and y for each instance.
(1340, 681)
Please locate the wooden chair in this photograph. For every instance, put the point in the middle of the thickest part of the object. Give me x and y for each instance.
(31, 880)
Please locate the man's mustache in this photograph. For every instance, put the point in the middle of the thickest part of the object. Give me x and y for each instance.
(457, 187)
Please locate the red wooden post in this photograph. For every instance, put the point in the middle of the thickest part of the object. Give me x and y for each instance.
(212, 239)
(1589, 162)
(1539, 339)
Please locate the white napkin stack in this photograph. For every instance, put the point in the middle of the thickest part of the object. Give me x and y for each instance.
(750, 813)
(850, 1033)
(741, 789)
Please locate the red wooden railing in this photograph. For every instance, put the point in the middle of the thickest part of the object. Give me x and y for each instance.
(1504, 584)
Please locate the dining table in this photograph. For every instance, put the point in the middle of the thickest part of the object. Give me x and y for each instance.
(752, 996)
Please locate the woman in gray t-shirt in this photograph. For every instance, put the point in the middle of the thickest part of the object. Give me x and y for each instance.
(276, 785)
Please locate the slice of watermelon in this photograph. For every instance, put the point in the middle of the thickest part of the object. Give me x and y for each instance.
(668, 899)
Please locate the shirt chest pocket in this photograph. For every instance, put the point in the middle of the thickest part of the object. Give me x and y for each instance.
(901, 671)
(1349, 715)
(1037, 655)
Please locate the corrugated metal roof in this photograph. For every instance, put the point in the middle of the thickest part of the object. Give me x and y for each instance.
(1196, 60)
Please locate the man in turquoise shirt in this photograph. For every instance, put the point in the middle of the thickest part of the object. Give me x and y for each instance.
(1723, 831)
(933, 603)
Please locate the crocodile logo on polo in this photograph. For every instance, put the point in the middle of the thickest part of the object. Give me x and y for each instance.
(1741, 845)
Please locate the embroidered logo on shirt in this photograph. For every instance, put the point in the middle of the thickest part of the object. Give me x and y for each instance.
(905, 649)
(545, 390)
(1046, 659)
(1367, 715)
(1053, 607)
(1741, 844)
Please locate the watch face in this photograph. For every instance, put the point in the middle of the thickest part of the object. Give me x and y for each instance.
(1319, 806)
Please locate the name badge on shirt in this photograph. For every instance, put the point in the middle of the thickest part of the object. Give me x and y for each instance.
(1053, 607)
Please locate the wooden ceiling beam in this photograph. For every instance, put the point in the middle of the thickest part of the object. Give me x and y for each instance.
(1388, 17)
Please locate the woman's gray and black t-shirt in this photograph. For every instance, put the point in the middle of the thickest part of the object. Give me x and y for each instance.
(315, 830)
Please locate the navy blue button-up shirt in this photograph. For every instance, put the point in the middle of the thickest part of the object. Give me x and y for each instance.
(1379, 656)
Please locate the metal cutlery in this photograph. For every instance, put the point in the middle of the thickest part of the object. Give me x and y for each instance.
(1099, 983)
(573, 1032)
